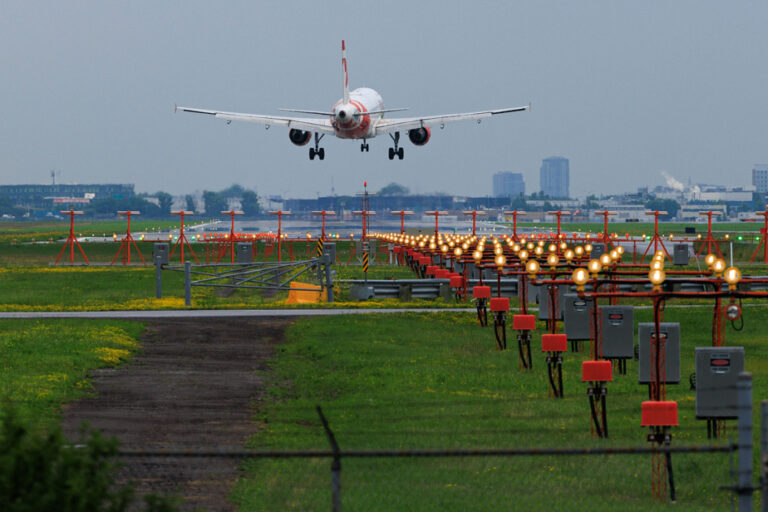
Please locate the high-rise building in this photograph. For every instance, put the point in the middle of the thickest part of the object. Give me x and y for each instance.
(554, 177)
(508, 184)
(760, 178)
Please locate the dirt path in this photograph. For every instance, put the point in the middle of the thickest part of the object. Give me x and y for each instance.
(192, 387)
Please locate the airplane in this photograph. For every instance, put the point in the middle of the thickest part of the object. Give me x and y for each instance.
(359, 115)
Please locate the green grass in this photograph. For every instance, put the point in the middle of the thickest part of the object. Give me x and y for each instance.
(436, 381)
(44, 362)
(640, 228)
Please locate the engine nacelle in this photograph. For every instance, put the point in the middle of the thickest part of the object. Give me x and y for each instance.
(299, 137)
(420, 136)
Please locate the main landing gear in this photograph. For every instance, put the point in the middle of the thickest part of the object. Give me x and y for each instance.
(364, 146)
(320, 152)
(395, 150)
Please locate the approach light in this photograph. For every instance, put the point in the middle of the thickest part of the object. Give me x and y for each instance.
(656, 277)
(569, 254)
(594, 266)
(458, 252)
(552, 260)
(657, 265)
(532, 267)
(709, 259)
(500, 261)
(718, 267)
(605, 259)
(588, 248)
(580, 276)
(477, 256)
(523, 255)
(732, 276)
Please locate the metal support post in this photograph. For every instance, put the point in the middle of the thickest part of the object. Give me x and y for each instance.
(335, 465)
(188, 283)
(158, 277)
(328, 283)
(744, 486)
(764, 453)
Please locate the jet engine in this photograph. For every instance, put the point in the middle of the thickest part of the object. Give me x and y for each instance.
(420, 136)
(299, 137)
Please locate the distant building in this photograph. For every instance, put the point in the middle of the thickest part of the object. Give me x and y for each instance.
(508, 184)
(554, 177)
(57, 196)
(760, 178)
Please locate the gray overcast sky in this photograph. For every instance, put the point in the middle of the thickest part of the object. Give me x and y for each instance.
(622, 89)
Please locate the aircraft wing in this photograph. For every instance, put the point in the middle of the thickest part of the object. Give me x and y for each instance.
(409, 123)
(300, 123)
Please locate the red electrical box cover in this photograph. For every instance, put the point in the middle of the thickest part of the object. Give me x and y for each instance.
(481, 292)
(425, 260)
(397, 249)
(442, 273)
(596, 371)
(430, 270)
(524, 322)
(500, 304)
(457, 281)
(554, 342)
(659, 414)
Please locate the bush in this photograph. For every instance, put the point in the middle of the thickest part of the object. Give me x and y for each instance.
(43, 471)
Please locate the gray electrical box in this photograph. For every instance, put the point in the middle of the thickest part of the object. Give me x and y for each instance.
(577, 314)
(160, 251)
(670, 336)
(544, 300)
(597, 250)
(244, 252)
(329, 248)
(617, 329)
(717, 375)
(680, 254)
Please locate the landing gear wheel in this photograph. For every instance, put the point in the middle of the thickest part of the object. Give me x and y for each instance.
(311, 153)
(321, 153)
(391, 153)
(362, 147)
(400, 153)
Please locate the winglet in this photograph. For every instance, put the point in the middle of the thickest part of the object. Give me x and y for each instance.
(175, 108)
(529, 106)
(345, 77)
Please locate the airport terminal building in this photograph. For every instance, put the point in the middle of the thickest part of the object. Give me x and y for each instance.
(50, 196)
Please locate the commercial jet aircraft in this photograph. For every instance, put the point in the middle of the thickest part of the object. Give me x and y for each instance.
(359, 114)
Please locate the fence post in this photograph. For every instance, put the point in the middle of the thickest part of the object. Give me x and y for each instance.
(328, 283)
(744, 485)
(764, 454)
(335, 465)
(187, 283)
(158, 277)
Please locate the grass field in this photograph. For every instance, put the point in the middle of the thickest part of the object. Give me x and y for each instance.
(44, 363)
(436, 381)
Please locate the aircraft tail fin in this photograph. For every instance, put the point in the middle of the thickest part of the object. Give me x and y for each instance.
(345, 76)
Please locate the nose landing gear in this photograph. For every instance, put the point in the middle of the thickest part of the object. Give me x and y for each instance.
(364, 146)
(317, 150)
(395, 150)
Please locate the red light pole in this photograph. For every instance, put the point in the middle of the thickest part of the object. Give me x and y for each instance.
(764, 215)
(402, 214)
(279, 214)
(656, 239)
(514, 214)
(710, 240)
(606, 235)
(474, 214)
(182, 241)
(365, 214)
(125, 244)
(232, 236)
(559, 214)
(436, 214)
(71, 239)
(323, 213)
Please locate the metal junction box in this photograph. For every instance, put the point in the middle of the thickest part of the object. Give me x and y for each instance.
(160, 251)
(244, 252)
(717, 374)
(617, 328)
(597, 250)
(577, 313)
(680, 254)
(544, 300)
(330, 249)
(670, 336)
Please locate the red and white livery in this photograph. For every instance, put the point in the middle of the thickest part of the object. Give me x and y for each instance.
(359, 114)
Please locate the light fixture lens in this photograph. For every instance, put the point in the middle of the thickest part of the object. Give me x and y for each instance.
(580, 276)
